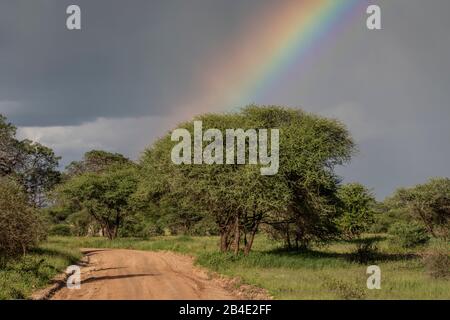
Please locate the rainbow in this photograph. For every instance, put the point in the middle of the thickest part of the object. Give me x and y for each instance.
(275, 38)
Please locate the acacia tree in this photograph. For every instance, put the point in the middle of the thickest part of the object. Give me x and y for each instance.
(311, 147)
(234, 196)
(357, 209)
(106, 196)
(238, 197)
(427, 203)
(37, 171)
(95, 161)
(33, 165)
(20, 225)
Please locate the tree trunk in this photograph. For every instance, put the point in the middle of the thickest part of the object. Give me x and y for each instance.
(249, 244)
(111, 232)
(224, 241)
(288, 238)
(237, 235)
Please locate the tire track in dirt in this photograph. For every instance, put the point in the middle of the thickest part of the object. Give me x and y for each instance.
(120, 274)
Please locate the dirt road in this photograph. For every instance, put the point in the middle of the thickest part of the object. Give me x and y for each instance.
(132, 274)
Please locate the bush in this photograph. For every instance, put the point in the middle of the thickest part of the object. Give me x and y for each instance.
(344, 290)
(386, 217)
(409, 235)
(366, 251)
(20, 225)
(356, 209)
(60, 230)
(437, 262)
(205, 227)
(83, 224)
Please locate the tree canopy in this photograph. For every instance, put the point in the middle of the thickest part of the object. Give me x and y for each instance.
(106, 196)
(357, 209)
(427, 203)
(20, 224)
(95, 161)
(33, 165)
(238, 197)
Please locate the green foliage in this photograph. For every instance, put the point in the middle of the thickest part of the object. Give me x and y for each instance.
(20, 226)
(140, 224)
(385, 215)
(22, 275)
(356, 209)
(366, 251)
(95, 211)
(83, 224)
(37, 171)
(60, 230)
(9, 146)
(428, 204)
(237, 197)
(33, 165)
(344, 290)
(56, 214)
(95, 161)
(409, 234)
(105, 196)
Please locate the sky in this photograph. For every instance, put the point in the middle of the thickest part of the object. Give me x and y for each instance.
(138, 68)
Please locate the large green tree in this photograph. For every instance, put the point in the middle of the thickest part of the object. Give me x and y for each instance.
(20, 225)
(105, 196)
(427, 203)
(357, 209)
(239, 199)
(66, 209)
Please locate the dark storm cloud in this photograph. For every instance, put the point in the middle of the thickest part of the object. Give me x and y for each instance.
(117, 84)
(131, 58)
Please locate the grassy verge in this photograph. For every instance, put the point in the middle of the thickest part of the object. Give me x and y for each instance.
(322, 273)
(21, 276)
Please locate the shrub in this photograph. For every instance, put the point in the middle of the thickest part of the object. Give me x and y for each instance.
(356, 209)
(386, 217)
(20, 225)
(344, 290)
(83, 224)
(427, 203)
(409, 235)
(60, 230)
(437, 262)
(366, 251)
(379, 226)
(205, 227)
(152, 230)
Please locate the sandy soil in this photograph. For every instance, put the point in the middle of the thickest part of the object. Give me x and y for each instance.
(132, 274)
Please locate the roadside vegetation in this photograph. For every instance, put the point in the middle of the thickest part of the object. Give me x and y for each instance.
(21, 275)
(301, 233)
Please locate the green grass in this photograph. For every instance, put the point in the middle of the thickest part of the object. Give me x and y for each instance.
(328, 273)
(21, 276)
(325, 272)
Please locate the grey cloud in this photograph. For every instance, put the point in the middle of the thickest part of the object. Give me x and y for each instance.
(134, 62)
(130, 59)
(391, 88)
